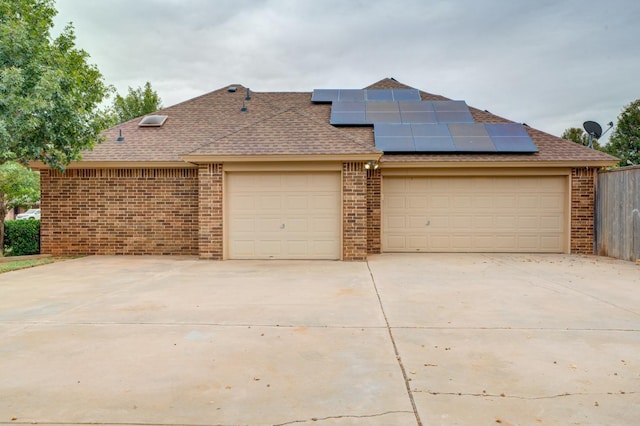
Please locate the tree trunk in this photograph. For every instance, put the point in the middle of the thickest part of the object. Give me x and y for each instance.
(3, 214)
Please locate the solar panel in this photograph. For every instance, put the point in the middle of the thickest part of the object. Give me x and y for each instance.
(514, 145)
(511, 137)
(392, 129)
(459, 106)
(430, 130)
(351, 95)
(406, 95)
(374, 95)
(395, 144)
(383, 117)
(416, 106)
(473, 144)
(324, 95)
(348, 107)
(506, 129)
(462, 130)
(434, 144)
(348, 118)
(418, 117)
(454, 117)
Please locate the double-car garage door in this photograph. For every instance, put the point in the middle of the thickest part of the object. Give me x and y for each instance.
(283, 215)
(474, 214)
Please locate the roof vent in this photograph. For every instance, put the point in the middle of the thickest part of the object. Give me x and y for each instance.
(120, 137)
(232, 89)
(248, 97)
(153, 121)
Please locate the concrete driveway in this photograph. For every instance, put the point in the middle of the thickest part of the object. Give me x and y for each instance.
(424, 339)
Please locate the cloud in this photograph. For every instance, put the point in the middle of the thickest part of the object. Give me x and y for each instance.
(551, 64)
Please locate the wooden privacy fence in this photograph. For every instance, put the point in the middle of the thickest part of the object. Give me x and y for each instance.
(618, 213)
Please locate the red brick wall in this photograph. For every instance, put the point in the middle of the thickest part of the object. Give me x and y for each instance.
(374, 224)
(582, 210)
(354, 214)
(119, 211)
(210, 212)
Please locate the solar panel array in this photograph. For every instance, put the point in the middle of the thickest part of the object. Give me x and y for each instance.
(403, 123)
(364, 95)
(369, 113)
(454, 137)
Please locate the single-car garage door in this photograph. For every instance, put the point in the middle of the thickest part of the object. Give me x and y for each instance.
(274, 215)
(474, 214)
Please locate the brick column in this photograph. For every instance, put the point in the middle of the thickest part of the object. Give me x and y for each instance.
(582, 210)
(374, 180)
(46, 223)
(210, 211)
(354, 213)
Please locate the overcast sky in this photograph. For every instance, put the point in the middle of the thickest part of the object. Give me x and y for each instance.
(552, 64)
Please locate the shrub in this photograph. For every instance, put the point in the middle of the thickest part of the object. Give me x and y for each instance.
(22, 237)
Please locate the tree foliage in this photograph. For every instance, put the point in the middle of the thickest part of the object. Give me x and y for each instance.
(624, 142)
(49, 93)
(579, 136)
(19, 187)
(136, 103)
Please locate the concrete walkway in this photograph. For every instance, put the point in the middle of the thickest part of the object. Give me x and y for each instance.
(445, 339)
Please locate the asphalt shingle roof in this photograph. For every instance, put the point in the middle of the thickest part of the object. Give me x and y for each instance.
(284, 123)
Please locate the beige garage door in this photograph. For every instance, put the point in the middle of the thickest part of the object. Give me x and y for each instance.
(274, 215)
(474, 214)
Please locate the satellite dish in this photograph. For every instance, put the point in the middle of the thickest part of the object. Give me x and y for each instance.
(593, 129)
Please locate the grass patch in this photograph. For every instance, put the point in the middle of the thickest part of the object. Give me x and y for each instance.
(30, 263)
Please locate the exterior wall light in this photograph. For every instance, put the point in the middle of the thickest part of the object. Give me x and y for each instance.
(371, 165)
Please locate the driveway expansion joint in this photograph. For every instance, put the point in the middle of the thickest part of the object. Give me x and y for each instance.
(527, 398)
(395, 348)
(315, 420)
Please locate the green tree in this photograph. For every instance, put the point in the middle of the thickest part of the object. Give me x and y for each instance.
(19, 187)
(136, 103)
(49, 93)
(579, 136)
(624, 142)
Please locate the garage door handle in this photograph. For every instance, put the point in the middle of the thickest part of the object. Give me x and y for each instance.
(428, 223)
(282, 226)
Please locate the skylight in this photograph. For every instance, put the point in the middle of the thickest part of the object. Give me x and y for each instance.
(153, 121)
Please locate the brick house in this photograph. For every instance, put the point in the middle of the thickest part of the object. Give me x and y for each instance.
(235, 174)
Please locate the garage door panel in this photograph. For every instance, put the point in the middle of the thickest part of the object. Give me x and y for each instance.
(550, 241)
(269, 202)
(438, 202)
(282, 215)
(483, 222)
(461, 202)
(552, 202)
(416, 241)
(416, 202)
(323, 225)
(481, 214)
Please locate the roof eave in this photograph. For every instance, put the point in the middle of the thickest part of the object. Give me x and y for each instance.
(39, 165)
(214, 158)
(495, 164)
